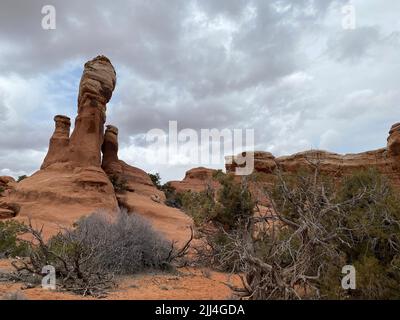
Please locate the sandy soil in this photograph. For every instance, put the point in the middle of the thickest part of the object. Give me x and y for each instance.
(185, 284)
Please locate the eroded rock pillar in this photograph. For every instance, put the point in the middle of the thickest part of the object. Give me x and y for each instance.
(95, 91)
(111, 163)
(59, 141)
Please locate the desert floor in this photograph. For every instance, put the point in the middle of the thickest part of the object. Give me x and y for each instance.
(184, 284)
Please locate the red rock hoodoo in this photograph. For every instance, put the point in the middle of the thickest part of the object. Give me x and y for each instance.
(71, 182)
(75, 177)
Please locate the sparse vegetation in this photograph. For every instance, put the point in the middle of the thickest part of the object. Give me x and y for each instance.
(226, 207)
(88, 257)
(313, 228)
(318, 227)
(172, 198)
(199, 205)
(20, 178)
(10, 244)
(119, 183)
(156, 179)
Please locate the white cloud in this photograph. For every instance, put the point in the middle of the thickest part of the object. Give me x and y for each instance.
(284, 68)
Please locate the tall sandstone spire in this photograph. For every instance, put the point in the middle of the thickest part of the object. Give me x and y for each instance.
(95, 91)
(83, 148)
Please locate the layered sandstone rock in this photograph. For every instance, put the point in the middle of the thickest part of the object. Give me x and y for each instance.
(141, 196)
(393, 145)
(71, 182)
(7, 183)
(136, 179)
(8, 210)
(74, 180)
(196, 180)
(385, 160)
(95, 90)
(59, 142)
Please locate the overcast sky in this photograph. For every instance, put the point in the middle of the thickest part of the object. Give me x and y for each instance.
(286, 69)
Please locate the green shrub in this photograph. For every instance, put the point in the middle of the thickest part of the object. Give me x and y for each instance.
(199, 205)
(172, 198)
(10, 244)
(229, 206)
(119, 183)
(235, 202)
(20, 178)
(372, 227)
(156, 179)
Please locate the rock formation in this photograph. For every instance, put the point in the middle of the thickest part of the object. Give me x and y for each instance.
(95, 91)
(393, 145)
(7, 209)
(136, 179)
(71, 182)
(141, 196)
(196, 180)
(59, 142)
(385, 160)
(75, 180)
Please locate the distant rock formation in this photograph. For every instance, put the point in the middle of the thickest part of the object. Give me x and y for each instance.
(385, 160)
(393, 145)
(196, 180)
(7, 209)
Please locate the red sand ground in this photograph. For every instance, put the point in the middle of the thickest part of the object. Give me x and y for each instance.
(187, 284)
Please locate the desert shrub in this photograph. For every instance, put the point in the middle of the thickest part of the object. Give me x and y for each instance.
(371, 229)
(318, 227)
(2, 190)
(20, 178)
(125, 245)
(87, 258)
(228, 209)
(172, 198)
(119, 183)
(199, 205)
(10, 244)
(231, 204)
(156, 179)
(234, 201)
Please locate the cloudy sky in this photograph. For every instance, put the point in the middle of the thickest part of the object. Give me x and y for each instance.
(285, 68)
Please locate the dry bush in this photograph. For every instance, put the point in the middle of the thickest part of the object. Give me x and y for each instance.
(317, 228)
(87, 258)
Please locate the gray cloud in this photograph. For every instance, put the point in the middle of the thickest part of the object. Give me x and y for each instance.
(353, 45)
(282, 67)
